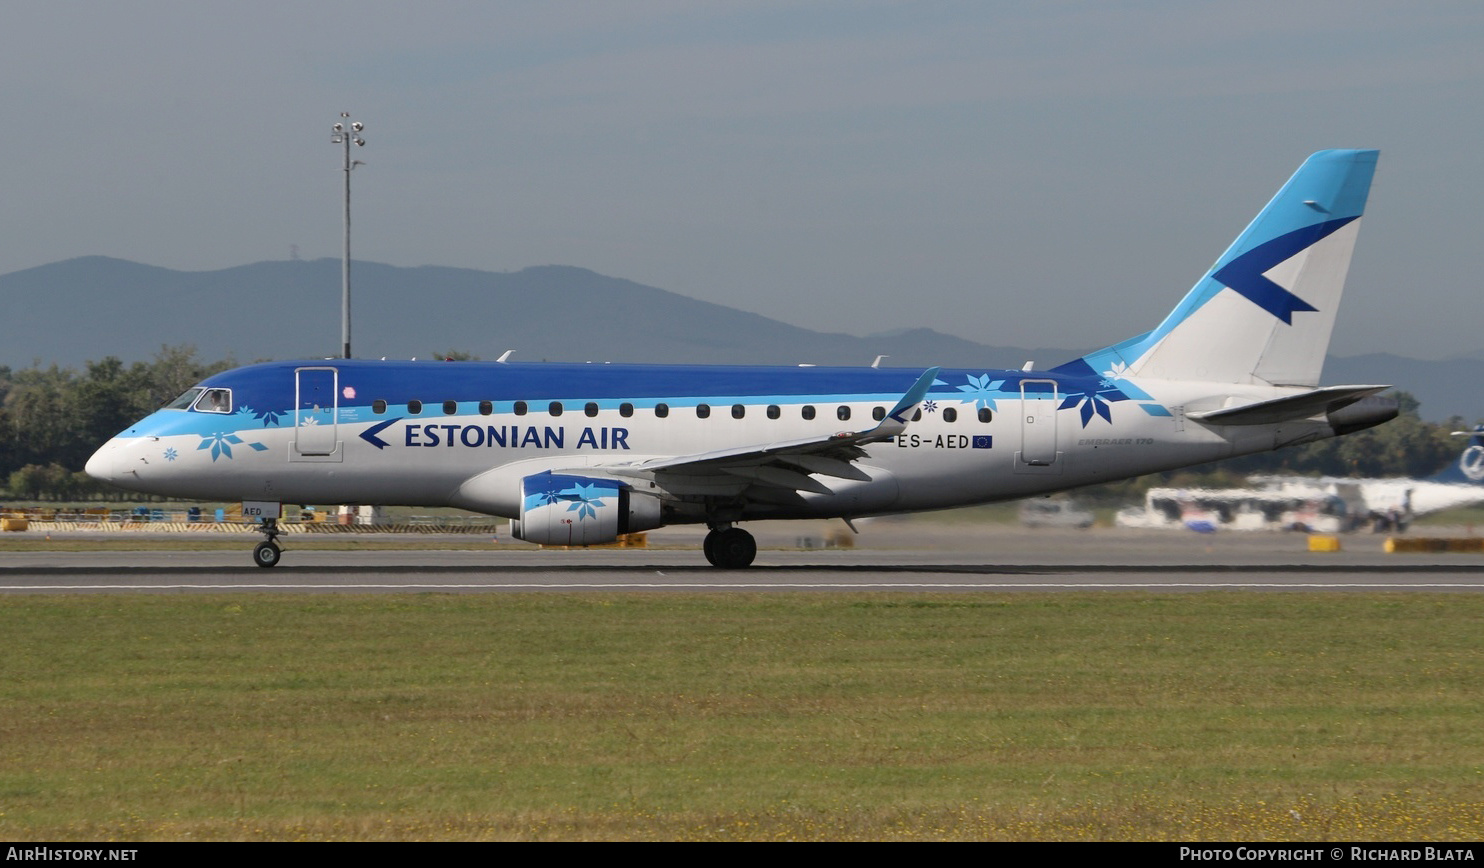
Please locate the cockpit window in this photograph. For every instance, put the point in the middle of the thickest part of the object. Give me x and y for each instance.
(215, 401)
(185, 400)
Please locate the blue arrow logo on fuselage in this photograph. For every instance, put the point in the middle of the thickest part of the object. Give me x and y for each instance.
(369, 435)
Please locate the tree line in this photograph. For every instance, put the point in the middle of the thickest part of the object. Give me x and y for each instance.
(52, 419)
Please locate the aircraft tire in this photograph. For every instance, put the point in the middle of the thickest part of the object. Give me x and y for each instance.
(708, 547)
(733, 549)
(266, 554)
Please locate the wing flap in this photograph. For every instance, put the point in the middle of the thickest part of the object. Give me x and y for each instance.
(826, 466)
(780, 477)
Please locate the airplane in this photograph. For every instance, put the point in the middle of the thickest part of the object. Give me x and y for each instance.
(578, 454)
(1398, 500)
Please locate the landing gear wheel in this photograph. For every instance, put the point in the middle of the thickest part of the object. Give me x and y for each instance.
(732, 549)
(266, 554)
(708, 547)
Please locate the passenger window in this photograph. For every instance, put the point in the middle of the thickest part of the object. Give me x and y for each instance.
(555, 408)
(917, 416)
(590, 408)
(414, 407)
(808, 411)
(985, 415)
(774, 412)
(703, 411)
(878, 413)
(950, 414)
(842, 413)
(378, 406)
(661, 410)
(626, 410)
(486, 408)
(738, 411)
(215, 401)
(520, 408)
(450, 408)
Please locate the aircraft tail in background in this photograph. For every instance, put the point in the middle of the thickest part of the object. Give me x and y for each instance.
(1469, 468)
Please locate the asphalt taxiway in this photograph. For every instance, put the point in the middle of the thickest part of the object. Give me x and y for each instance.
(887, 556)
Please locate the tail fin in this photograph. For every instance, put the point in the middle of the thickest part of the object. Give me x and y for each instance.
(1469, 468)
(1264, 312)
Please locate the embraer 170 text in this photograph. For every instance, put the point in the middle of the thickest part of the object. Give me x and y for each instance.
(579, 454)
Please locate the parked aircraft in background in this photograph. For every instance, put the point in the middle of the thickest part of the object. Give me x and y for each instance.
(1395, 502)
(579, 454)
(1208, 510)
(1326, 504)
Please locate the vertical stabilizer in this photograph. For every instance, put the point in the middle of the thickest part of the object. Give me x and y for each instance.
(1469, 468)
(1264, 312)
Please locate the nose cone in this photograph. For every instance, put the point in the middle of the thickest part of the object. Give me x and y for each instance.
(102, 465)
(110, 464)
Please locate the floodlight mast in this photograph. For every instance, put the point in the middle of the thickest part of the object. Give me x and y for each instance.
(345, 132)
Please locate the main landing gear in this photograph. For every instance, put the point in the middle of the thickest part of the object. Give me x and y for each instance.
(267, 552)
(730, 548)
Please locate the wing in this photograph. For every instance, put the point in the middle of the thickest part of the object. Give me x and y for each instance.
(788, 465)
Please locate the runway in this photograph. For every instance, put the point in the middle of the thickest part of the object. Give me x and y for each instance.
(891, 556)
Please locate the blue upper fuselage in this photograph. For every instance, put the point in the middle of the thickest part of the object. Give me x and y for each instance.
(267, 395)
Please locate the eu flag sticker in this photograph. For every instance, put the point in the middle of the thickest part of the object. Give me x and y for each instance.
(983, 441)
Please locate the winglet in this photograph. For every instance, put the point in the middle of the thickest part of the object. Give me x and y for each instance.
(896, 421)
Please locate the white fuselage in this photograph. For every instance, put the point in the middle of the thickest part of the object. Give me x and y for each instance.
(1004, 443)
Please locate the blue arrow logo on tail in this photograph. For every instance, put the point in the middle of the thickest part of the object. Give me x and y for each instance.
(369, 435)
(1245, 273)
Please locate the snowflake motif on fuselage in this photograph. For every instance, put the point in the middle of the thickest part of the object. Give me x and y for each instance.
(220, 443)
(1092, 393)
(585, 499)
(929, 406)
(267, 417)
(1093, 401)
(981, 392)
(306, 421)
(170, 454)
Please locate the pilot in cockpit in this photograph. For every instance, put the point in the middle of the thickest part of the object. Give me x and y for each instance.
(217, 401)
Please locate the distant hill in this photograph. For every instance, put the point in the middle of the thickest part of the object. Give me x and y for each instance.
(91, 307)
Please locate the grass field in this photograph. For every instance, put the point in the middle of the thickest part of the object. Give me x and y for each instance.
(1114, 716)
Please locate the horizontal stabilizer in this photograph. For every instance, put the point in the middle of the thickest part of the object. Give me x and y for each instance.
(1301, 406)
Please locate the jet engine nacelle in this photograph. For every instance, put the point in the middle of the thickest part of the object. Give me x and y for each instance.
(581, 510)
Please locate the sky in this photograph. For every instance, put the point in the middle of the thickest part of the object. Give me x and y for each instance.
(1049, 174)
